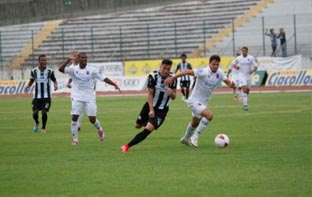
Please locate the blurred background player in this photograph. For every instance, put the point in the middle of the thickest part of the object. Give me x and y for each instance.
(83, 92)
(75, 62)
(185, 81)
(42, 95)
(234, 77)
(207, 79)
(246, 66)
(154, 111)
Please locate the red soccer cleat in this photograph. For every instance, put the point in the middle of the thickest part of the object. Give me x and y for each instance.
(101, 134)
(125, 148)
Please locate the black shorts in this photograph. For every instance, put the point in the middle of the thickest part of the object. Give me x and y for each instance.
(185, 84)
(160, 115)
(41, 104)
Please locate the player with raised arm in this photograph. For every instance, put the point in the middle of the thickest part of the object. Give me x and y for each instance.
(246, 66)
(42, 95)
(154, 111)
(207, 79)
(83, 92)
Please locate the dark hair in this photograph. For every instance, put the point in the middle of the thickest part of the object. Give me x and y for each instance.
(245, 48)
(167, 62)
(183, 55)
(214, 57)
(82, 53)
(40, 56)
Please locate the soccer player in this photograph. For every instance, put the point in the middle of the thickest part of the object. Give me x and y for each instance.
(75, 62)
(207, 79)
(42, 95)
(185, 81)
(83, 92)
(234, 77)
(246, 66)
(154, 111)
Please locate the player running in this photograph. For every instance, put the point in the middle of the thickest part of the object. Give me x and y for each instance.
(206, 81)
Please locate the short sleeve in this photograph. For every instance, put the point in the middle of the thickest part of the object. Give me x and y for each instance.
(151, 82)
(201, 72)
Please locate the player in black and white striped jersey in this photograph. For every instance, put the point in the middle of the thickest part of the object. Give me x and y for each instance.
(154, 111)
(42, 95)
(185, 81)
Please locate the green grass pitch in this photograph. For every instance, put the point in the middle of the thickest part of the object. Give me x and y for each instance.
(269, 152)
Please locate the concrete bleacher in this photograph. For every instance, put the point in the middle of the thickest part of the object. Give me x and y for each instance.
(14, 38)
(277, 15)
(164, 31)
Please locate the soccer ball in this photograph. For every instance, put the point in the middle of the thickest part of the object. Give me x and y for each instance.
(222, 140)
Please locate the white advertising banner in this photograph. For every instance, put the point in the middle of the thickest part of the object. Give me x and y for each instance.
(280, 63)
(110, 68)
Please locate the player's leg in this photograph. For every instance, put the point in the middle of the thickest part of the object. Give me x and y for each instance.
(207, 117)
(79, 121)
(245, 97)
(152, 124)
(187, 89)
(182, 85)
(143, 117)
(35, 111)
(91, 109)
(77, 108)
(44, 112)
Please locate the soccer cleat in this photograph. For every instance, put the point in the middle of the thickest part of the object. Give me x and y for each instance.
(194, 139)
(43, 131)
(245, 107)
(36, 129)
(185, 141)
(101, 134)
(125, 148)
(74, 142)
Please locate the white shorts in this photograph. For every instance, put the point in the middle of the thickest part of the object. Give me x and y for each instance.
(243, 81)
(79, 106)
(197, 108)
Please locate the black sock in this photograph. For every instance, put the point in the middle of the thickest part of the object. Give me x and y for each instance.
(44, 120)
(139, 137)
(182, 91)
(187, 94)
(35, 117)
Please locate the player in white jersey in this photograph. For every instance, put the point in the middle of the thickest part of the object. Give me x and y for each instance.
(206, 81)
(83, 92)
(235, 78)
(70, 84)
(246, 66)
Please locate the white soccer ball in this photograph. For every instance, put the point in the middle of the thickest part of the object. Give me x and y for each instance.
(222, 140)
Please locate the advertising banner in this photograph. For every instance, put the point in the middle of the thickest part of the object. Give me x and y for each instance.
(279, 63)
(13, 87)
(144, 67)
(290, 78)
(110, 68)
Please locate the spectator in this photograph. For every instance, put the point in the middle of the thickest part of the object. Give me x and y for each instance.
(273, 38)
(282, 37)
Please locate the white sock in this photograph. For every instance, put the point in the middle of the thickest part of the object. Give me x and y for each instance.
(97, 124)
(240, 95)
(74, 130)
(202, 125)
(79, 120)
(189, 131)
(245, 99)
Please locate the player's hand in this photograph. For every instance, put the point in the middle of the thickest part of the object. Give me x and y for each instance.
(55, 87)
(69, 85)
(236, 66)
(168, 81)
(73, 55)
(233, 85)
(171, 93)
(117, 88)
(26, 90)
(151, 114)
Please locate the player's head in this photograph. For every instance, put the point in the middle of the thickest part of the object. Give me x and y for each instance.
(42, 60)
(165, 67)
(183, 57)
(214, 62)
(82, 59)
(244, 51)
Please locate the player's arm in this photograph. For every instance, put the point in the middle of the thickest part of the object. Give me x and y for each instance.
(178, 68)
(169, 80)
(172, 90)
(229, 83)
(110, 82)
(255, 67)
(229, 72)
(150, 97)
(31, 81)
(52, 77)
(70, 80)
(71, 57)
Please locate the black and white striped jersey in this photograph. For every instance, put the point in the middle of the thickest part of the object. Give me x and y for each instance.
(161, 100)
(184, 66)
(43, 80)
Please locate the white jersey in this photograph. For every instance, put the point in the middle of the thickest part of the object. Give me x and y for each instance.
(234, 71)
(245, 64)
(84, 82)
(206, 83)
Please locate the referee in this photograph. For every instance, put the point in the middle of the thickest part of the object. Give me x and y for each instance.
(42, 95)
(185, 81)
